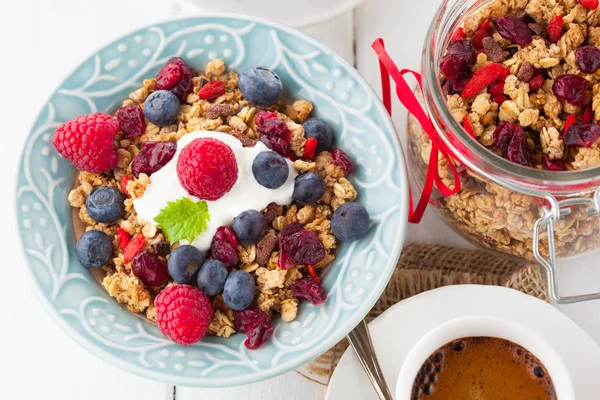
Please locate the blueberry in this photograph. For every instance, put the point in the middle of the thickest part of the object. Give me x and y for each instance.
(94, 249)
(249, 227)
(260, 86)
(212, 276)
(161, 108)
(270, 169)
(317, 128)
(350, 222)
(239, 290)
(105, 204)
(308, 188)
(184, 264)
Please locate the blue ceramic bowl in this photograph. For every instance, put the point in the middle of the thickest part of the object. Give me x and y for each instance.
(310, 71)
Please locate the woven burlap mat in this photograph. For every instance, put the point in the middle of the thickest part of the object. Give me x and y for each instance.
(423, 267)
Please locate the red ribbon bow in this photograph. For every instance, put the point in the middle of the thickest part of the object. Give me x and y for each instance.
(409, 100)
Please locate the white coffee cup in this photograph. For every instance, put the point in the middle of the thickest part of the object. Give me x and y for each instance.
(490, 327)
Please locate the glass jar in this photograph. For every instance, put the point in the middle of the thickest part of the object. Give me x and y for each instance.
(526, 212)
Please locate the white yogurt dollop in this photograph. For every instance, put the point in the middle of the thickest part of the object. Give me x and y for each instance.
(246, 193)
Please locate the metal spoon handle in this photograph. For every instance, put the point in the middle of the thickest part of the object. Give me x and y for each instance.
(360, 340)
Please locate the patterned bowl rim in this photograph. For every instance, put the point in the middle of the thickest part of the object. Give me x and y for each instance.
(91, 346)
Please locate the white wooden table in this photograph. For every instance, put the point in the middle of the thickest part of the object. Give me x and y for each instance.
(41, 41)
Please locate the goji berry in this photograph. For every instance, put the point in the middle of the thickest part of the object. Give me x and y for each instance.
(570, 120)
(459, 34)
(468, 126)
(124, 182)
(123, 237)
(212, 90)
(134, 247)
(504, 73)
(588, 114)
(555, 27)
(496, 90)
(481, 79)
(482, 32)
(313, 273)
(536, 82)
(310, 148)
(591, 4)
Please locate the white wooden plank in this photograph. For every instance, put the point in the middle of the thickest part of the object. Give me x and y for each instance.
(290, 386)
(338, 34)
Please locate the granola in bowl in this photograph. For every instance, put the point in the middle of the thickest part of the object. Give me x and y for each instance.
(521, 78)
(209, 202)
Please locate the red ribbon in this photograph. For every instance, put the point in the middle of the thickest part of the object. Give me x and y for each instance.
(409, 100)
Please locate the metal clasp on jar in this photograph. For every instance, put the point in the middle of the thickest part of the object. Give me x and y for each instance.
(551, 216)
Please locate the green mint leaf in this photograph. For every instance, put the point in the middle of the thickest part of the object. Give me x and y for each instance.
(183, 219)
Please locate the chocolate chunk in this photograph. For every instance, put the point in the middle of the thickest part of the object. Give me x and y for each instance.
(242, 137)
(492, 50)
(272, 211)
(162, 248)
(538, 29)
(265, 247)
(215, 111)
(525, 72)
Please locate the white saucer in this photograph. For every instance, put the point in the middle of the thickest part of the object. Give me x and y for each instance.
(396, 330)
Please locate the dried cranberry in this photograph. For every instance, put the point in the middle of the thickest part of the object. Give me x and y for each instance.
(152, 157)
(150, 269)
(458, 83)
(299, 246)
(224, 246)
(536, 82)
(588, 58)
(343, 161)
(460, 57)
(518, 150)
(496, 90)
(309, 289)
(504, 133)
(570, 88)
(514, 29)
(581, 135)
(131, 120)
(250, 316)
(175, 76)
(588, 114)
(274, 133)
(258, 335)
(553, 165)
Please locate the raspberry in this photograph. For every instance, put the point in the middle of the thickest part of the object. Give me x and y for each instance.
(309, 289)
(224, 246)
(152, 157)
(134, 246)
(555, 27)
(124, 181)
(310, 148)
(183, 313)
(123, 237)
(343, 161)
(150, 269)
(481, 79)
(207, 168)
(176, 77)
(131, 120)
(274, 133)
(536, 82)
(591, 4)
(212, 90)
(88, 142)
(466, 123)
(299, 246)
